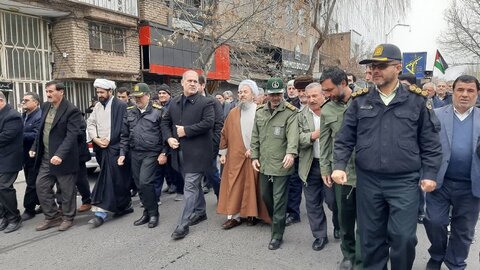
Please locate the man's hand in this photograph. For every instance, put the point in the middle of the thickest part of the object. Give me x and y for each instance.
(339, 176)
(101, 142)
(181, 131)
(32, 154)
(315, 135)
(256, 165)
(327, 180)
(248, 154)
(56, 160)
(223, 159)
(173, 143)
(121, 160)
(428, 185)
(162, 159)
(288, 161)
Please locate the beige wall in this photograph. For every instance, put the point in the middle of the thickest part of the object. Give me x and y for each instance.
(154, 11)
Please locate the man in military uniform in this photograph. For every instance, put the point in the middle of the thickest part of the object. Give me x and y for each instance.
(396, 142)
(335, 87)
(274, 146)
(142, 136)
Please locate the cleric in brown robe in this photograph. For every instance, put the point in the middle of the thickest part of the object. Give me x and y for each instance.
(239, 190)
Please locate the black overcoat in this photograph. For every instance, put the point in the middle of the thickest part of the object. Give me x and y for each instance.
(197, 115)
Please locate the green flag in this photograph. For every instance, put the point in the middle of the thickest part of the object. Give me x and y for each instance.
(440, 62)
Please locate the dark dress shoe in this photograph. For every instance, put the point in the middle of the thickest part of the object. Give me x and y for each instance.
(336, 233)
(133, 193)
(172, 189)
(143, 220)
(346, 264)
(3, 224)
(153, 222)
(251, 221)
(180, 233)
(28, 215)
(124, 212)
(274, 244)
(433, 265)
(96, 221)
(13, 226)
(197, 219)
(319, 243)
(231, 223)
(290, 220)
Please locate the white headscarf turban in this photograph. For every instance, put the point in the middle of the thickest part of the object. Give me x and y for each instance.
(104, 84)
(251, 84)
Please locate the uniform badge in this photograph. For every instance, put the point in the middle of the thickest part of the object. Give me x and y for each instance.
(365, 90)
(277, 131)
(418, 90)
(275, 84)
(424, 93)
(136, 88)
(412, 87)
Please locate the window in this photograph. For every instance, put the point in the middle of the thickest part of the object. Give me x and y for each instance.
(106, 37)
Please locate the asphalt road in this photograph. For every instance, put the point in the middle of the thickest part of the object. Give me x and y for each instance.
(120, 245)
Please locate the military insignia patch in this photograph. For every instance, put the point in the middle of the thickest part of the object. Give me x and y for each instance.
(424, 93)
(429, 104)
(378, 51)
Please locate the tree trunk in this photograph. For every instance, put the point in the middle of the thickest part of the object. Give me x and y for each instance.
(314, 55)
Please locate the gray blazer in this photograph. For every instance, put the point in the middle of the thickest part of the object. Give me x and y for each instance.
(445, 115)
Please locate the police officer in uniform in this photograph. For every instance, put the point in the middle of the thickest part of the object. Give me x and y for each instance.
(396, 142)
(141, 136)
(274, 147)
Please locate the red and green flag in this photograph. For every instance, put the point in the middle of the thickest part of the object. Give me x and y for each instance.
(440, 62)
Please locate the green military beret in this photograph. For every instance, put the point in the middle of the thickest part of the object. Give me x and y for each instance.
(274, 86)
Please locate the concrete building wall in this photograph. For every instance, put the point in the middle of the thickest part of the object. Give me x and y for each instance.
(154, 11)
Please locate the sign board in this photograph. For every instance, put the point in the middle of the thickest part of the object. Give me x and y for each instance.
(415, 63)
(6, 85)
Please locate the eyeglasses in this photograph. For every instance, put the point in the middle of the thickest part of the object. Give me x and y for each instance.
(381, 66)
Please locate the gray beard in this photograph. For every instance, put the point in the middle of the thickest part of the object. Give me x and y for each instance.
(245, 105)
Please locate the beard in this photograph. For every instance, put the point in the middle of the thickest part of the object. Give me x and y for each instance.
(245, 105)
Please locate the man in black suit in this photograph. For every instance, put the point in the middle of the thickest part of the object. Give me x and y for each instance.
(11, 143)
(32, 115)
(187, 126)
(56, 150)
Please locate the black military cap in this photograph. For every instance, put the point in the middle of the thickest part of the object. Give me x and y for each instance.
(384, 53)
(302, 81)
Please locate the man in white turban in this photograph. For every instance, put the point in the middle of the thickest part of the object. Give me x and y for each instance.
(239, 190)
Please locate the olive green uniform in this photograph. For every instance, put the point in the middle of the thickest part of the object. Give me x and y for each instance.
(275, 134)
(330, 123)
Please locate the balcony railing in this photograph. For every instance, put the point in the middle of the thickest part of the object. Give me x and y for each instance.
(129, 7)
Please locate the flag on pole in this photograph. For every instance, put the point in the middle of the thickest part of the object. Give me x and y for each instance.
(440, 62)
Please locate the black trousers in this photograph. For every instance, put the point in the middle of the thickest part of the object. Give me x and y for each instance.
(82, 184)
(30, 199)
(8, 197)
(144, 165)
(314, 201)
(465, 208)
(387, 208)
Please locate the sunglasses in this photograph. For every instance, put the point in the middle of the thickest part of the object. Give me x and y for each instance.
(382, 65)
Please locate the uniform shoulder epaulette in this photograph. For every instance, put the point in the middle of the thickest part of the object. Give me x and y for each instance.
(360, 92)
(156, 106)
(131, 107)
(290, 106)
(415, 89)
(260, 106)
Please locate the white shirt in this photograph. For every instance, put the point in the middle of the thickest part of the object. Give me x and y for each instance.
(99, 123)
(316, 143)
(462, 116)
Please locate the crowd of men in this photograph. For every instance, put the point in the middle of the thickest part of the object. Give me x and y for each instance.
(383, 158)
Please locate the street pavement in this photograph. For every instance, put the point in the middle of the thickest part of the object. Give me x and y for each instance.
(120, 245)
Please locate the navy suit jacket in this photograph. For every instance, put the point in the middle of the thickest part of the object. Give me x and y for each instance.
(31, 126)
(445, 115)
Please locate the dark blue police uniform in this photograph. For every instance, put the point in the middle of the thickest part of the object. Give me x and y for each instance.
(395, 145)
(141, 135)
